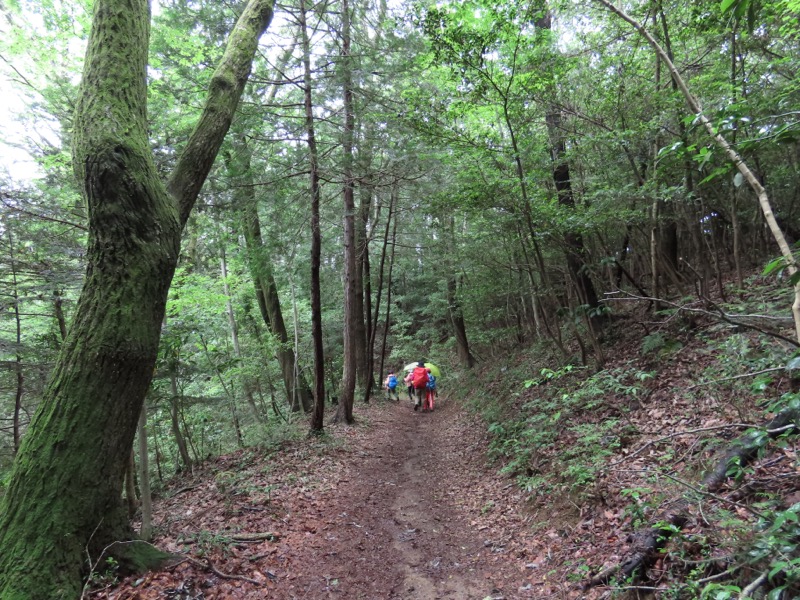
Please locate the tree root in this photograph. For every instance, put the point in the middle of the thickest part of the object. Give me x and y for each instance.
(210, 566)
(647, 543)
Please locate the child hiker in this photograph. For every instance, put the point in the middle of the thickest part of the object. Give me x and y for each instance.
(409, 381)
(390, 385)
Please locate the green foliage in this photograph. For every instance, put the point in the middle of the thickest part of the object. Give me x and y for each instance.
(659, 344)
(209, 542)
(546, 447)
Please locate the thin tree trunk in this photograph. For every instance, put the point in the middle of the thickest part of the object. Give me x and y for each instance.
(146, 530)
(388, 321)
(362, 258)
(174, 413)
(454, 308)
(130, 486)
(573, 240)
(379, 293)
(247, 386)
(229, 395)
(730, 152)
(317, 419)
(20, 378)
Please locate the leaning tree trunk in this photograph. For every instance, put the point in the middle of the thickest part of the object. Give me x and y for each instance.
(297, 391)
(64, 497)
(745, 171)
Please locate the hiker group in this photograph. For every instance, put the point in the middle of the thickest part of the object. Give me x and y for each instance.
(421, 385)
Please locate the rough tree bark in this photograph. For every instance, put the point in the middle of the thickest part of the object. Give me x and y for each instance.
(345, 411)
(317, 419)
(64, 497)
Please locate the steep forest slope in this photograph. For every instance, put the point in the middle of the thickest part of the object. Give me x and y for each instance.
(532, 479)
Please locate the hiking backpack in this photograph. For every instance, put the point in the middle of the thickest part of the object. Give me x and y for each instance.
(392, 382)
(431, 385)
(420, 377)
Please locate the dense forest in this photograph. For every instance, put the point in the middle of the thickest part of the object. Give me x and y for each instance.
(222, 224)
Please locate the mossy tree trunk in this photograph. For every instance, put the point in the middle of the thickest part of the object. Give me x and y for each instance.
(64, 497)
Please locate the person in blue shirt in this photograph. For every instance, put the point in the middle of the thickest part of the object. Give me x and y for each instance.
(390, 385)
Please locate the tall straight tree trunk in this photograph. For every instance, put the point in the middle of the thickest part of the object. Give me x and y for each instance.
(298, 392)
(16, 424)
(64, 500)
(374, 320)
(387, 323)
(146, 530)
(363, 376)
(175, 424)
(317, 419)
(455, 312)
(573, 240)
(345, 411)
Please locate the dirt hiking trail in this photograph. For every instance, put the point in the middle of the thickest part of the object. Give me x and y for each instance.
(401, 505)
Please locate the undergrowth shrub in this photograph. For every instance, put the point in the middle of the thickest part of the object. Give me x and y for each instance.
(557, 430)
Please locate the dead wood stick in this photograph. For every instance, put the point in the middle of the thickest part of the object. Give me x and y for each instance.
(647, 543)
(241, 537)
(674, 435)
(256, 537)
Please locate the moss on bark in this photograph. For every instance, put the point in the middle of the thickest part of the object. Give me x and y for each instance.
(64, 498)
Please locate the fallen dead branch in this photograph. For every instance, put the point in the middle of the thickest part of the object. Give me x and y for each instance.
(674, 435)
(647, 543)
(239, 537)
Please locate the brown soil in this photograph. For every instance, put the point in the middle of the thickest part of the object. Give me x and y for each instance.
(402, 505)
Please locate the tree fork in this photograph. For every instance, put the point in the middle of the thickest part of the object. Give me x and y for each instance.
(64, 497)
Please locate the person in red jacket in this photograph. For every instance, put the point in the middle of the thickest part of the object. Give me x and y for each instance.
(419, 378)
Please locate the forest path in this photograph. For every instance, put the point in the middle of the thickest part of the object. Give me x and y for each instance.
(400, 533)
(401, 505)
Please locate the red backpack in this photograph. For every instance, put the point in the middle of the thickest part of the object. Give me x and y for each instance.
(420, 379)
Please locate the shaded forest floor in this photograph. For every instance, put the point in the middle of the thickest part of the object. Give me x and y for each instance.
(408, 505)
(402, 505)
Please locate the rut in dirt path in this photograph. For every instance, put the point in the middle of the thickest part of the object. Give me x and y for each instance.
(398, 532)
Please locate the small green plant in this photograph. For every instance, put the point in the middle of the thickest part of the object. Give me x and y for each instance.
(653, 343)
(637, 507)
(658, 343)
(207, 542)
(104, 573)
(720, 591)
(547, 374)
